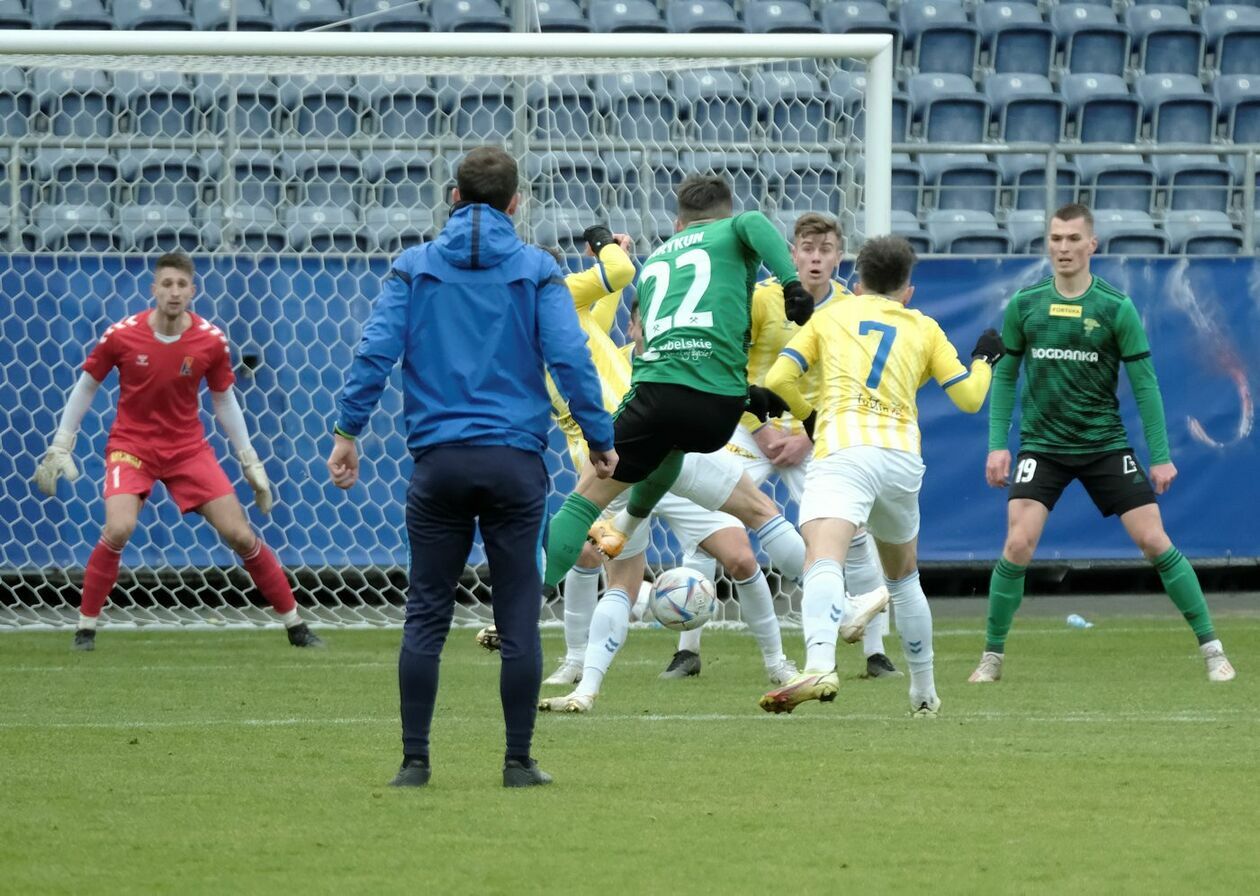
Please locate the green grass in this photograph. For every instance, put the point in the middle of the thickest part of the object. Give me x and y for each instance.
(226, 762)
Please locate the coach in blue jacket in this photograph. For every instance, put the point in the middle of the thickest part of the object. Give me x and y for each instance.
(474, 315)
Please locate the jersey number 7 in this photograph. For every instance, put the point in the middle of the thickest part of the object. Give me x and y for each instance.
(887, 333)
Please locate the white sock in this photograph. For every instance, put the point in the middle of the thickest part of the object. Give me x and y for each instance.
(863, 574)
(820, 614)
(784, 546)
(914, 624)
(290, 618)
(609, 625)
(89, 622)
(626, 524)
(690, 640)
(1209, 648)
(704, 564)
(581, 590)
(756, 608)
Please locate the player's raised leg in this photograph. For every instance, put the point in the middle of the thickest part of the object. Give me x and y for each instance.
(121, 512)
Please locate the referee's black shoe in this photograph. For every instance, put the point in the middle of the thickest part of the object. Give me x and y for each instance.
(523, 774)
(414, 773)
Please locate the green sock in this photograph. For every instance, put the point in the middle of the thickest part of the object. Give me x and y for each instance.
(645, 495)
(1006, 590)
(1182, 586)
(566, 533)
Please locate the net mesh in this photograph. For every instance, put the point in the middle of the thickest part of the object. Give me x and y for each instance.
(292, 182)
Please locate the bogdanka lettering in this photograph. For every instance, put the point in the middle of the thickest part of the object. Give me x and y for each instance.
(1064, 354)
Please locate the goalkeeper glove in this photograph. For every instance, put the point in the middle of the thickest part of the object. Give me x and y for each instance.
(763, 403)
(58, 461)
(256, 476)
(597, 236)
(798, 304)
(989, 347)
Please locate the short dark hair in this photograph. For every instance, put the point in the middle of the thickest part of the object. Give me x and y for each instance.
(1075, 211)
(815, 224)
(884, 264)
(704, 196)
(487, 174)
(177, 260)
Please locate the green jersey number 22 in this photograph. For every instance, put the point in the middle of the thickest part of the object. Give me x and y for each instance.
(659, 272)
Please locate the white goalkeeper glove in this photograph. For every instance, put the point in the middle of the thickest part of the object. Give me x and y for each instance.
(58, 461)
(256, 476)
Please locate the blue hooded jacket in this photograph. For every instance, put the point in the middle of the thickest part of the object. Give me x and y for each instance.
(475, 315)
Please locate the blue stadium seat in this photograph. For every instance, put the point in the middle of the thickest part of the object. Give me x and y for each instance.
(324, 228)
(77, 102)
(14, 16)
(635, 176)
(561, 107)
(73, 228)
(1024, 176)
(164, 178)
(326, 179)
(1202, 233)
(322, 106)
(702, 16)
(1015, 38)
(81, 15)
(561, 16)
(1101, 108)
(1167, 41)
(1233, 36)
(390, 16)
(1091, 40)
(566, 179)
(480, 107)
(949, 109)
(637, 105)
(254, 178)
(1238, 97)
(907, 183)
(740, 169)
(402, 107)
(158, 104)
(906, 225)
(469, 15)
(1027, 229)
(961, 181)
(1128, 232)
(151, 15)
(1193, 182)
(626, 15)
(847, 90)
(967, 232)
(406, 179)
(791, 107)
(1177, 108)
(255, 111)
(1027, 108)
(797, 182)
(251, 228)
(860, 17)
(163, 228)
(715, 105)
(560, 227)
(303, 15)
(16, 103)
(394, 228)
(77, 194)
(1183, 4)
(1118, 181)
(648, 229)
(940, 36)
(780, 17)
(215, 15)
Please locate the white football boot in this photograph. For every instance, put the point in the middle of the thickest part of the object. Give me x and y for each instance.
(859, 610)
(568, 672)
(990, 668)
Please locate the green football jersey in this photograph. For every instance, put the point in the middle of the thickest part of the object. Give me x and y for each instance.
(695, 295)
(1071, 350)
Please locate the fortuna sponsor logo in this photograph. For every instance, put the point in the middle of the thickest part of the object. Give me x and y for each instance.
(1064, 354)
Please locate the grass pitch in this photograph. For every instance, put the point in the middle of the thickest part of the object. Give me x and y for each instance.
(227, 762)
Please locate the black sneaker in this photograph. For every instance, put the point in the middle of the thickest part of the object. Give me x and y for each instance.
(685, 664)
(524, 774)
(301, 636)
(880, 666)
(415, 773)
(85, 639)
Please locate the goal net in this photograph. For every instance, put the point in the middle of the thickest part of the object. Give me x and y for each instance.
(291, 167)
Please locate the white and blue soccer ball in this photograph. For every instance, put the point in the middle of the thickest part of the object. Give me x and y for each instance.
(683, 599)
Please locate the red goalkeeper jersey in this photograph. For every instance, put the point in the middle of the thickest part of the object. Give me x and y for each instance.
(159, 382)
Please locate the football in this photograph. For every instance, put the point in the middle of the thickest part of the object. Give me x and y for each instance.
(683, 599)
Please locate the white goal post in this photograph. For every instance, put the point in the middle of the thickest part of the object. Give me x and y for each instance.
(291, 167)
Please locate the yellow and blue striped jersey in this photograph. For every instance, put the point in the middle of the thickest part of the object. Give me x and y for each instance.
(872, 355)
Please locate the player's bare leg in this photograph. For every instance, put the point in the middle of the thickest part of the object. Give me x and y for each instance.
(121, 513)
(1025, 521)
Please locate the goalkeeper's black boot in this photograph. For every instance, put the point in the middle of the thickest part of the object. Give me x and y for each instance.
(414, 773)
(85, 639)
(685, 664)
(523, 774)
(878, 665)
(301, 636)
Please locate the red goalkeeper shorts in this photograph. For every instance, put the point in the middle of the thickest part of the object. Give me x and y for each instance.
(192, 475)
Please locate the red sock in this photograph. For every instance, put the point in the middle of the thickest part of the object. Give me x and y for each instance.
(99, 577)
(264, 569)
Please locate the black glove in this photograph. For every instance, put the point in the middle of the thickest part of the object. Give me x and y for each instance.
(798, 304)
(808, 423)
(763, 403)
(597, 236)
(989, 347)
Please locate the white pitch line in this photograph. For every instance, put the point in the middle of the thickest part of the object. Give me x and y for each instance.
(196, 667)
(197, 723)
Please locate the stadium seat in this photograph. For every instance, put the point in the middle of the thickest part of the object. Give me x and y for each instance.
(73, 228)
(961, 181)
(77, 193)
(907, 184)
(254, 180)
(390, 16)
(1024, 177)
(215, 15)
(1027, 108)
(1202, 233)
(1118, 181)
(637, 106)
(560, 227)
(326, 179)
(1027, 229)
(324, 228)
(561, 107)
(1015, 38)
(162, 228)
(163, 178)
(1090, 38)
(860, 17)
(780, 17)
(1128, 232)
(480, 107)
(394, 228)
(252, 228)
(906, 225)
(648, 229)
(401, 107)
(626, 15)
(940, 37)
(81, 15)
(715, 105)
(77, 102)
(406, 179)
(791, 107)
(561, 16)
(158, 104)
(1238, 97)
(254, 102)
(14, 16)
(1101, 108)
(702, 16)
(322, 106)
(1177, 108)
(1167, 41)
(303, 15)
(1193, 182)
(468, 15)
(799, 180)
(948, 108)
(967, 232)
(740, 169)
(16, 103)
(847, 91)
(1233, 37)
(151, 15)
(638, 176)
(566, 179)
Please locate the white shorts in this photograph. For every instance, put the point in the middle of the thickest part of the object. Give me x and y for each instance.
(708, 479)
(690, 523)
(744, 448)
(873, 487)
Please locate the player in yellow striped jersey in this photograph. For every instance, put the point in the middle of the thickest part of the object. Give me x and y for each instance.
(871, 355)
